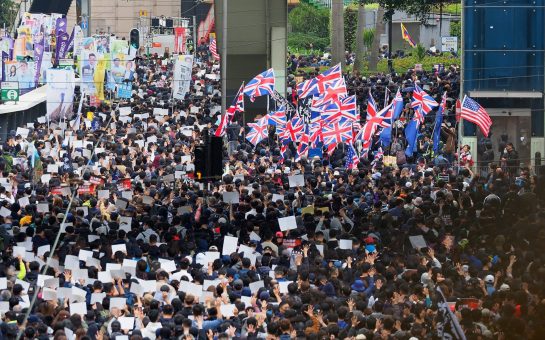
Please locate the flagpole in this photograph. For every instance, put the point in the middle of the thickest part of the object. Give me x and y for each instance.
(461, 121)
(224, 61)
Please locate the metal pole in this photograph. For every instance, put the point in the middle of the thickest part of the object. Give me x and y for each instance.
(461, 122)
(194, 35)
(223, 60)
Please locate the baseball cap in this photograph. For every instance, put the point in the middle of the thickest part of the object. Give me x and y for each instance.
(279, 234)
(489, 279)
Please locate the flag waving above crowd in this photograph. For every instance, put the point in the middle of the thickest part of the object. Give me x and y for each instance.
(327, 116)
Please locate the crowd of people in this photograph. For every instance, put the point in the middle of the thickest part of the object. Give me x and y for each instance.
(108, 233)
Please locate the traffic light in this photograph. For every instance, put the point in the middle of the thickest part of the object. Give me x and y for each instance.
(135, 39)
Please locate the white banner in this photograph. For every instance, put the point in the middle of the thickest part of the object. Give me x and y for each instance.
(182, 76)
(60, 93)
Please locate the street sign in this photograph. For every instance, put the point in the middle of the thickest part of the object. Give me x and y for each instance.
(10, 91)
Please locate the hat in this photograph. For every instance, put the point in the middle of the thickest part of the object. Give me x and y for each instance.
(371, 248)
(358, 286)
(222, 220)
(279, 234)
(213, 248)
(504, 287)
(408, 185)
(489, 279)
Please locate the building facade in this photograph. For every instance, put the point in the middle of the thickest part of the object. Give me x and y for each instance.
(503, 69)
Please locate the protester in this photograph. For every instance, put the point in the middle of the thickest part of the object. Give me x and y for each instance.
(137, 246)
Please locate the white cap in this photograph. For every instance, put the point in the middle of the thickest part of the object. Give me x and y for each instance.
(489, 279)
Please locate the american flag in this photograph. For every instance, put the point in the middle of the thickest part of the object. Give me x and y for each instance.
(475, 113)
(260, 85)
(317, 85)
(213, 49)
(333, 93)
(237, 106)
(335, 133)
(422, 103)
(258, 131)
(352, 158)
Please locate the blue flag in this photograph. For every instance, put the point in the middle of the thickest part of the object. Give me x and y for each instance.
(438, 123)
(397, 107)
(411, 134)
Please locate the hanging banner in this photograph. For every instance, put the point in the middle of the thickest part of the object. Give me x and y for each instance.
(99, 78)
(179, 40)
(38, 54)
(182, 76)
(60, 26)
(88, 66)
(60, 94)
(124, 90)
(62, 45)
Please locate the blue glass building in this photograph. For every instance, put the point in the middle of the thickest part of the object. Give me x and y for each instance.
(503, 69)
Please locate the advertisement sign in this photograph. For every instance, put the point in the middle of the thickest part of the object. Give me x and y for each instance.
(182, 76)
(449, 44)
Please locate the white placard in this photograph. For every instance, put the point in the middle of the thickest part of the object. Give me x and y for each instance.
(296, 181)
(287, 223)
(231, 197)
(229, 245)
(78, 308)
(119, 247)
(345, 244)
(418, 241)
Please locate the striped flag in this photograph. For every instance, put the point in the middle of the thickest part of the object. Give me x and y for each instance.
(352, 158)
(406, 36)
(214, 49)
(475, 113)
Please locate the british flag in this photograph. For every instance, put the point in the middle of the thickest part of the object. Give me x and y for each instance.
(371, 107)
(238, 106)
(302, 148)
(277, 117)
(258, 130)
(260, 85)
(333, 93)
(422, 103)
(342, 109)
(373, 122)
(318, 84)
(315, 127)
(335, 133)
(294, 128)
(352, 158)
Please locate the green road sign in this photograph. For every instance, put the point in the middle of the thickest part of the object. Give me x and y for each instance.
(10, 91)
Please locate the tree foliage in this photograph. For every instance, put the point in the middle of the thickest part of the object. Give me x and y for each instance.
(302, 41)
(7, 12)
(419, 8)
(350, 28)
(309, 20)
(456, 29)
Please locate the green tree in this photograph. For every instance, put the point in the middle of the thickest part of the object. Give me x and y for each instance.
(456, 29)
(7, 12)
(309, 20)
(360, 44)
(350, 28)
(419, 52)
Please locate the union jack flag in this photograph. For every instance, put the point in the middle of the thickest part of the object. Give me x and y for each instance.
(373, 122)
(371, 107)
(260, 85)
(318, 84)
(213, 49)
(258, 131)
(352, 158)
(294, 128)
(335, 133)
(237, 106)
(333, 93)
(277, 117)
(343, 109)
(302, 148)
(422, 103)
(315, 127)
